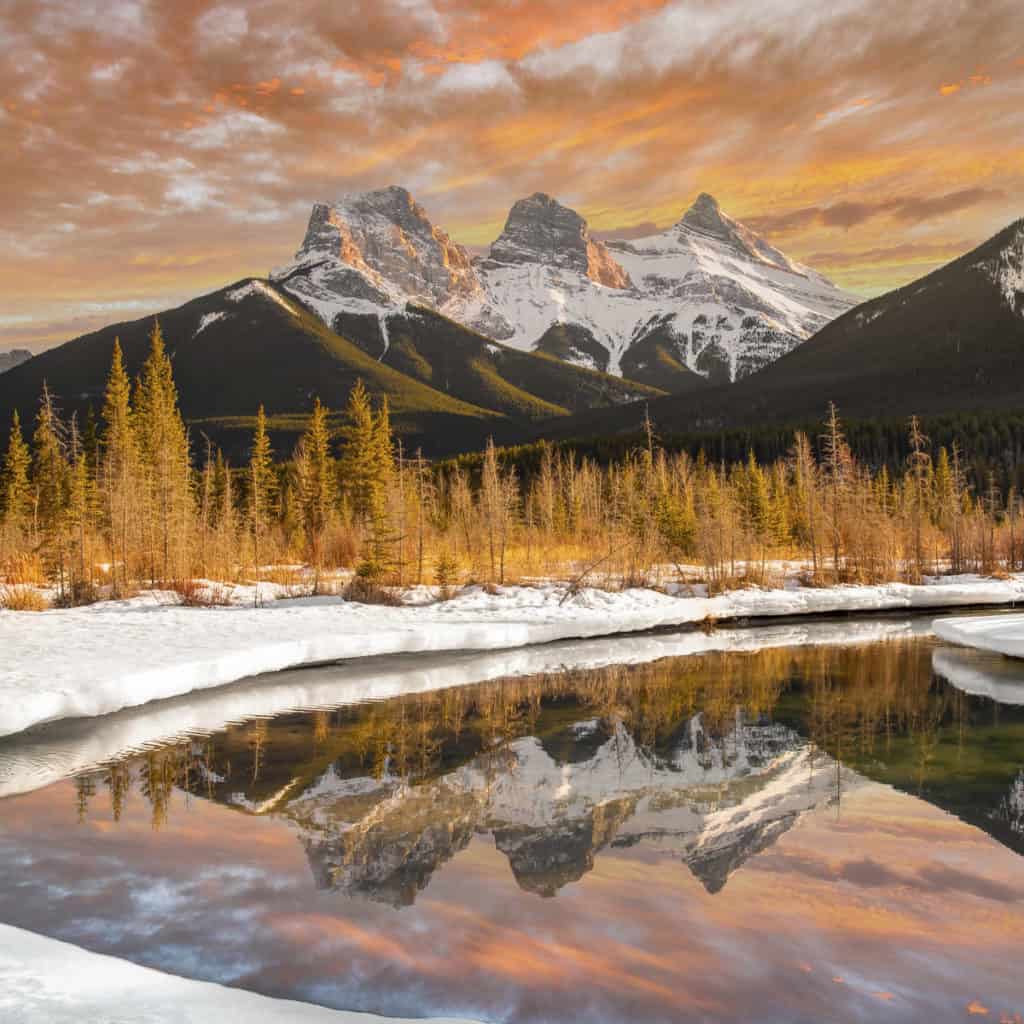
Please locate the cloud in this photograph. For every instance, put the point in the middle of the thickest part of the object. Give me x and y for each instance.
(641, 230)
(222, 27)
(482, 77)
(625, 108)
(849, 214)
(191, 193)
(230, 129)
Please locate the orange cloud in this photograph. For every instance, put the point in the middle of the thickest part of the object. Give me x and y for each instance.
(626, 123)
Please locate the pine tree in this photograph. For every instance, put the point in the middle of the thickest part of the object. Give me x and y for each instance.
(119, 470)
(315, 472)
(838, 466)
(361, 455)
(49, 471)
(82, 508)
(919, 464)
(163, 444)
(261, 484)
(16, 493)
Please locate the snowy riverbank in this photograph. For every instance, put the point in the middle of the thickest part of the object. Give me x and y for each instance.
(41, 757)
(96, 660)
(999, 634)
(45, 981)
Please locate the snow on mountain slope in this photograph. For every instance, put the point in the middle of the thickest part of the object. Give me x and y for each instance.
(13, 357)
(707, 295)
(1006, 270)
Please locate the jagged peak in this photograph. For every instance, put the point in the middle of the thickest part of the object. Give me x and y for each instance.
(706, 217)
(540, 229)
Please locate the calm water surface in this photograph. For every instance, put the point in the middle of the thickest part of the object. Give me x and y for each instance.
(805, 834)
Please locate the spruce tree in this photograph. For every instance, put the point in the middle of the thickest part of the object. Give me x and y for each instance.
(361, 459)
(838, 465)
(82, 509)
(163, 444)
(16, 496)
(49, 470)
(261, 484)
(119, 466)
(316, 478)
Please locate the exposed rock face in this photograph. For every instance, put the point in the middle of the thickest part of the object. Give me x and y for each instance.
(707, 295)
(540, 230)
(378, 248)
(13, 357)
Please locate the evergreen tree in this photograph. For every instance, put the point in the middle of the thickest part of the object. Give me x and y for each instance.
(16, 492)
(261, 484)
(361, 460)
(919, 469)
(82, 510)
(315, 472)
(838, 466)
(119, 466)
(163, 444)
(49, 471)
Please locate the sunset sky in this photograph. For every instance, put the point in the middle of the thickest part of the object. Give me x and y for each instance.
(156, 149)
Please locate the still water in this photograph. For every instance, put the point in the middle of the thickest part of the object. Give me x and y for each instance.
(830, 833)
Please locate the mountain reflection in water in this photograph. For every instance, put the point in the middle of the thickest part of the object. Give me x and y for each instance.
(705, 763)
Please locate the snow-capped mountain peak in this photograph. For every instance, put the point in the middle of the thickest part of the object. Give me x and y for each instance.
(707, 295)
(706, 217)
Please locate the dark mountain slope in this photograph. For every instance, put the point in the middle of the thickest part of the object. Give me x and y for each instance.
(461, 362)
(236, 348)
(951, 341)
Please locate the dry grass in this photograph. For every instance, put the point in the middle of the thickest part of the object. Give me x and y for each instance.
(22, 598)
(23, 570)
(200, 594)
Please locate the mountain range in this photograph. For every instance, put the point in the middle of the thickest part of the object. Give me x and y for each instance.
(553, 333)
(952, 341)
(707, 296)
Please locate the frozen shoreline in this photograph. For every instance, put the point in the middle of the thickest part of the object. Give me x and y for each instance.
(41, 757)
(46, 981)
(998, 634)
(99, 659)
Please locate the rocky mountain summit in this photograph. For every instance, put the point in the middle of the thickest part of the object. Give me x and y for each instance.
(541, 230)
(707, 296)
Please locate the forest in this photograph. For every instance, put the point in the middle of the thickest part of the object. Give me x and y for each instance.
(132, 499)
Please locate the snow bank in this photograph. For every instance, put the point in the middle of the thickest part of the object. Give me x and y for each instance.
(1001, 634)
(95, 660)
(41, 757)
(977, 672)
(45, 981)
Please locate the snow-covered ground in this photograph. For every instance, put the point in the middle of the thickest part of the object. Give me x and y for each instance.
(41, 757)
(45, 981)
(99, 659)
(1001, 634)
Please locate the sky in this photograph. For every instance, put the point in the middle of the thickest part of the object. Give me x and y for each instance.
(152, 150)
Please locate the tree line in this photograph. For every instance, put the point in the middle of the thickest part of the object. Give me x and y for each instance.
(133, 499)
